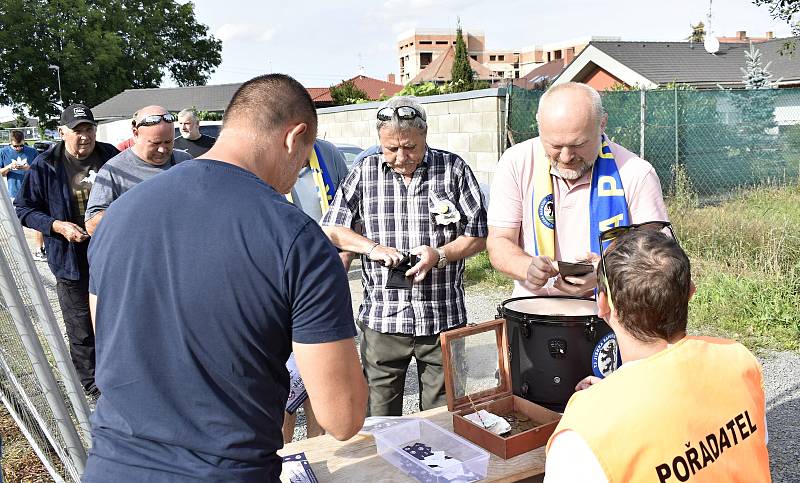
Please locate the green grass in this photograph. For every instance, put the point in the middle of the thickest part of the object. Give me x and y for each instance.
(745, 256)
(478, 272)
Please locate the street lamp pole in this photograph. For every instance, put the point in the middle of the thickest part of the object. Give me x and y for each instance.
(58, 75)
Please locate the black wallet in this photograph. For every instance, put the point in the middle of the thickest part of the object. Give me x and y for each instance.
(397, 274)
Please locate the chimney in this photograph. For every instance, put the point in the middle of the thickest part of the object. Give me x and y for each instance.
(770, 35)
(742, 34)
(390, 78)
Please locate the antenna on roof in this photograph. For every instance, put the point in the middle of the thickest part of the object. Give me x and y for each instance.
(711, 42)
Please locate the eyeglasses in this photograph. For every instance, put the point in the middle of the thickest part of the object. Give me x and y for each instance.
(405, 113)
(153, 119)
(608, 236)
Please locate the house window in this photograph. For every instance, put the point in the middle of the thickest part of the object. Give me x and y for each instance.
(492, 58)
(501, 58)
(558, 55)
(474, 57)
(425, 42)
(441, 42)
(425, 58)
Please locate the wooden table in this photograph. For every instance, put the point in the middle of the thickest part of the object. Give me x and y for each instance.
(357, 459)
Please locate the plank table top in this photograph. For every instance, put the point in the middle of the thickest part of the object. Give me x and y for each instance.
(357, 459)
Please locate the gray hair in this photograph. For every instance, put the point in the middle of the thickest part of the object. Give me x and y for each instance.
(188, 112)
(591, 93)
(395, 123)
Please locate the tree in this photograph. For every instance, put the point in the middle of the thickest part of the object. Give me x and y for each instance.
(756, 76)
(784, 10)
(101, 48)
(698, 33)
(347, 93)
(462, 78)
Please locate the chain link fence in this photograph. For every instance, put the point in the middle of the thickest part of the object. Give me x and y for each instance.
(723, 139)
(38, 384)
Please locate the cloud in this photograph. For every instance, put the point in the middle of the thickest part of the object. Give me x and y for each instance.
(244, 32)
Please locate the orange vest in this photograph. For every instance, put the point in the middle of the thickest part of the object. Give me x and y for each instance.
(693, 412)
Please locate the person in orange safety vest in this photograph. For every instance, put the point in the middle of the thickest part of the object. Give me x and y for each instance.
(681, 408)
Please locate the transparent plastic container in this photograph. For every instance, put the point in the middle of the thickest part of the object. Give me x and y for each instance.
(391, 441)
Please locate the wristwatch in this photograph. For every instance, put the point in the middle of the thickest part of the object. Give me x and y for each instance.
(442, 259)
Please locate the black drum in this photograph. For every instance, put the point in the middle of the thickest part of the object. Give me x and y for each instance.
(554, 343)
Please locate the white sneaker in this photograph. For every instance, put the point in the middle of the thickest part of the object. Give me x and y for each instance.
(40, 255)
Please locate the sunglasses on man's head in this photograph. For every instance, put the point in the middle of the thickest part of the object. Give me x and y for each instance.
(405, 113)
(153, 119)
(610, 235)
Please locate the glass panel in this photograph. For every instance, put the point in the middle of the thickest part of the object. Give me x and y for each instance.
(475, 363)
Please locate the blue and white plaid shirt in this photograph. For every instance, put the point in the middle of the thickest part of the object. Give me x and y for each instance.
(404, 217)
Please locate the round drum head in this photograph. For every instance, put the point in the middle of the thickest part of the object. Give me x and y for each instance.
(552, 306)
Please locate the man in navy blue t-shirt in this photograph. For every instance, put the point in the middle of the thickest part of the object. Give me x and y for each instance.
(203, 281)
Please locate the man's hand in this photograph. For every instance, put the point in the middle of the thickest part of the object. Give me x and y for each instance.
(587, 382)
(72, 232)
(577, 286)
(428, 258)
(540, 270)
(389, 256)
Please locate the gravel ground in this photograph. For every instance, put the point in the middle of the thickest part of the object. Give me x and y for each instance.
(781, 381)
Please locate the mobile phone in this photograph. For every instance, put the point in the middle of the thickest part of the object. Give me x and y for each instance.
(568, 269)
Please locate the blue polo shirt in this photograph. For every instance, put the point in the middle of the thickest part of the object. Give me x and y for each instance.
(7, 156)
(204, 276)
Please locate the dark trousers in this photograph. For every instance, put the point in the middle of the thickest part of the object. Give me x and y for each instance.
(385, 358)
(73, 297)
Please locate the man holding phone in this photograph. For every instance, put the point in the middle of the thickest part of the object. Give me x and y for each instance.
(52, 200)
(552, 195)
(412, 200)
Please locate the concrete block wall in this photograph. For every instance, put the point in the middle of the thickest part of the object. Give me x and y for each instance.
(470, 124)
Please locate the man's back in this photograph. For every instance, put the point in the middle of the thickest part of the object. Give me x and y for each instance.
(195, 322)
(702, 392)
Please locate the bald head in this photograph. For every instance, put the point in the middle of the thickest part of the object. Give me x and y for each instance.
(153, 138)
(571, 121)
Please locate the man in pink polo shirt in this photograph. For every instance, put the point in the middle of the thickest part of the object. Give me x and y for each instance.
(593, 184)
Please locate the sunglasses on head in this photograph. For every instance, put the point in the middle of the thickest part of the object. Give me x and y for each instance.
(610, 235)
(153, 119)
(405, 113)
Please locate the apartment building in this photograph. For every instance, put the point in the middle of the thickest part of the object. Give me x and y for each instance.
(418, 48)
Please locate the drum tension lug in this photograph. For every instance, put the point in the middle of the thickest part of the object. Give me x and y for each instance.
(525, 327)
(590, 331)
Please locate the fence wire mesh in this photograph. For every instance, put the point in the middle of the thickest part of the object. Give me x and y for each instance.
(37, 386)
(723, 139)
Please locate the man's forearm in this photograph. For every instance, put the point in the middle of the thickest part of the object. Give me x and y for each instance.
(508, 258)
(348, 240)
(91, 223)
(463, 247)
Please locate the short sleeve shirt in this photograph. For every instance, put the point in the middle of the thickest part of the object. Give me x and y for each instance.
(10, 155)
(200, 293)
(512, 189)
(405, 217)
(121, 173)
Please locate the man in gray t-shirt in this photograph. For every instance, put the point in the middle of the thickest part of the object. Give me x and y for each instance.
(150, 154)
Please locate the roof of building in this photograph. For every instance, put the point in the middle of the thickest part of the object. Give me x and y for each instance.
(215, 97)
(439, 69)
(681, 62)
(374, 88)
(203, 98)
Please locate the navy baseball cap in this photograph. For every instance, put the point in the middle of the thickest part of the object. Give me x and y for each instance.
(77, 114)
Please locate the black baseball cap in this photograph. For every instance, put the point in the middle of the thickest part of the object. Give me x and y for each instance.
(77, 114)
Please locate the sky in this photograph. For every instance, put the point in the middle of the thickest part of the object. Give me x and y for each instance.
(321, 43)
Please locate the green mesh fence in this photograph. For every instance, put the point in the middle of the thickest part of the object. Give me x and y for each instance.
(724, 139)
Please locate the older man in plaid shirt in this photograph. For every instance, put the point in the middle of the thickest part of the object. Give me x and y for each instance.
(409, 198)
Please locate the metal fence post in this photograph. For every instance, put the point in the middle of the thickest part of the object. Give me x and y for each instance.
(675, 88)
(642, 120)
